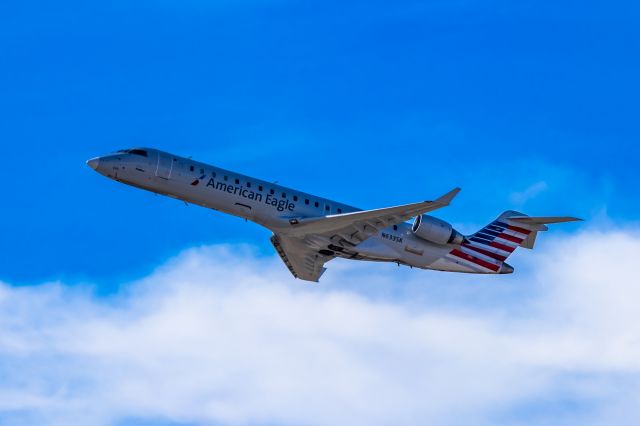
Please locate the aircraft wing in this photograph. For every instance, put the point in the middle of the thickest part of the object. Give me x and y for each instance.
(303, 247)
(356, 227)
(303, 260)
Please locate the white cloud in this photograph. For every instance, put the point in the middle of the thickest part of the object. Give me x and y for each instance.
(532, 191)
(222, 336)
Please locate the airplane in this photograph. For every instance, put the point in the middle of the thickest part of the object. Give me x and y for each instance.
(309, 231)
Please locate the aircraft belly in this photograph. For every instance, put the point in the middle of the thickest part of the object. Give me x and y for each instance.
(377, 249)
(444, 264)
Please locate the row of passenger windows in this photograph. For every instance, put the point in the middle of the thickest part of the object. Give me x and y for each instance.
(237, 181)
(271, 191)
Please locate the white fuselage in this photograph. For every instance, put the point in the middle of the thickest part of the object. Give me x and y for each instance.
(268, 204)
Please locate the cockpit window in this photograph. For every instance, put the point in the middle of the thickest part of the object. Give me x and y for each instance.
(138, 152)
(134, 151)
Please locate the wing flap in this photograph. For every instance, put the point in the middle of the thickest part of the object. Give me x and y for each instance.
(303, 261)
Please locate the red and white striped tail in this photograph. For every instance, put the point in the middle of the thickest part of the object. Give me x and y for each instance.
(487, 249)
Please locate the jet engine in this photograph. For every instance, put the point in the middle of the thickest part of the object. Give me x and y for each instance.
(435, 230)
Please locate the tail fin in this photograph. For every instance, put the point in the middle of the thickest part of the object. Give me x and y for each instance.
(495, 242)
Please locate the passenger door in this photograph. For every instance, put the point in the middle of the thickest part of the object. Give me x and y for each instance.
(164, 168)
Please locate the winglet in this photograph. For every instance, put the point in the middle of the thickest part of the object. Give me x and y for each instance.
(445, 200)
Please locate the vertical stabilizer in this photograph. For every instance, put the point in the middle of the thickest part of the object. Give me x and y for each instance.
(512, 230)
(488, 249)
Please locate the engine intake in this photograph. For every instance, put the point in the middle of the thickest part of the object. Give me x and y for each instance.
(435, 230)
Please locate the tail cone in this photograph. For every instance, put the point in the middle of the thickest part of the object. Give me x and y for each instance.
(506, 269)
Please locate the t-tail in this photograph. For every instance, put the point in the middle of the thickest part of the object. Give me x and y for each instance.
(487, 250)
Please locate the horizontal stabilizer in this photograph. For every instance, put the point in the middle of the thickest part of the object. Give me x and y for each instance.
(544, 220)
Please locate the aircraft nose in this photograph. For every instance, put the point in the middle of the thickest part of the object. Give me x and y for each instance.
(94, 163)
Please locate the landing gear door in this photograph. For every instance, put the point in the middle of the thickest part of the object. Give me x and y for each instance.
(164, 169)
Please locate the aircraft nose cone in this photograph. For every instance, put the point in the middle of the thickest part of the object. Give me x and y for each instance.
(94, 163)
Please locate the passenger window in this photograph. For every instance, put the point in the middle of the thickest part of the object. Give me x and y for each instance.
(237, 181)
(248, 184)
(271, 191)
(213, 174)
(316, 204)
(191, 168)
(395, 227)
(326, 208)
(260, 188)
(306, 201)
(295, 198)
(284, 195)
(226, 178)
(339, 210)
(201, 171)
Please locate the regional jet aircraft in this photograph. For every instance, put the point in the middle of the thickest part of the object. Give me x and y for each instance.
(309, 231)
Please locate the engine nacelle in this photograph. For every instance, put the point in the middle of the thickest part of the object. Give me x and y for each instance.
(435, 230)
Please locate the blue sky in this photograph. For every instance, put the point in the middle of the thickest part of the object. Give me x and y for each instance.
(528, 105)
(365, 102)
